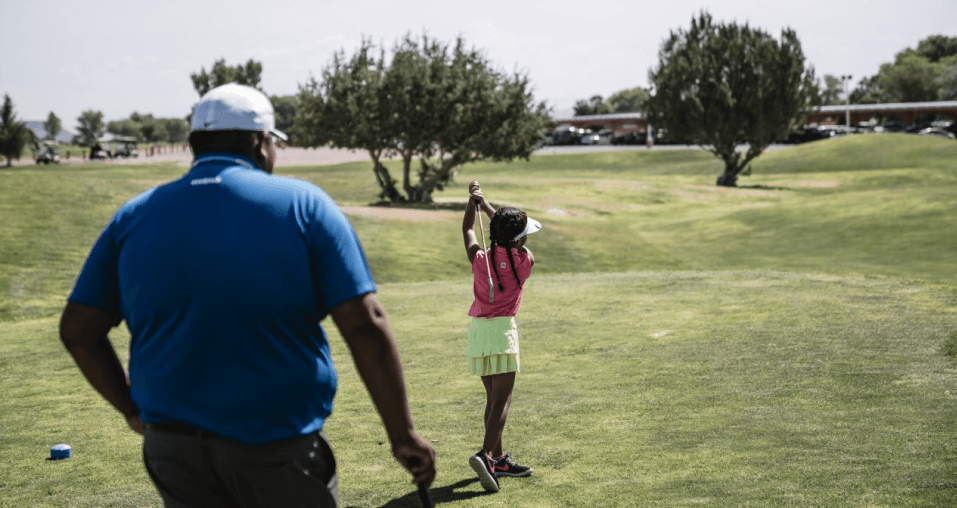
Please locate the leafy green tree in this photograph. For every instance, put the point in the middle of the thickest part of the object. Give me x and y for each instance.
(220, 74)
(593, 106)
(911, 78)
(937, 47)
(832, 90)
(443, 105)
(726, 85)
(153, 129)
(90, 127)
(285, 112)
(53, 126)
(867, 91)
(13, 134)
(924, 74)
(631, 100)
(177, 130)
(948, 79)
(127, 128)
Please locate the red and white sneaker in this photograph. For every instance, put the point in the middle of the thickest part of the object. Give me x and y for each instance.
(482, 466)
(505, 466)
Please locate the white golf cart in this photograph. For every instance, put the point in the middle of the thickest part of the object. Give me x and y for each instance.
(47, 152)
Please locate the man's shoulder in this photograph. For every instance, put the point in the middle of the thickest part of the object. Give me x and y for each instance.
(143, 199)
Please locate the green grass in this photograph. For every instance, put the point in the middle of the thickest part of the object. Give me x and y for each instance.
(785, 344)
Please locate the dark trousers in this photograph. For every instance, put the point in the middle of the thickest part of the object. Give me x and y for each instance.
(195, 469)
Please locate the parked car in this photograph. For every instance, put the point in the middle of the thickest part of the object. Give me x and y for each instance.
(661, 137)
(894, 126)
(566, 134)
(947, 125)
(630, 138)
(589, 137)
(937, 131)
(810, 133)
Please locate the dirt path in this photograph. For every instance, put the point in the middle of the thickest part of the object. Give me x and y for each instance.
(285, 157)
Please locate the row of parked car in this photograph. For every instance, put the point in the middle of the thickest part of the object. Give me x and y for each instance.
(944, 129)
(571, 135)
(567, 134)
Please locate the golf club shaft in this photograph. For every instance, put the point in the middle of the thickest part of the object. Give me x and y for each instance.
(491, 288)
(423, 489)
(424, 496)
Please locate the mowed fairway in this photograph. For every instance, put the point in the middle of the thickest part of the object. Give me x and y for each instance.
(682, 345)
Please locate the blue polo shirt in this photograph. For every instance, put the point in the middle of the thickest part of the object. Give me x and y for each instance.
(223, 277)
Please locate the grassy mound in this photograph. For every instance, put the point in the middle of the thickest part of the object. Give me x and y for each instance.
(813, 207)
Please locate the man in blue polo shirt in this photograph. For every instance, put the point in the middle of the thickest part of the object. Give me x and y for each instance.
(222, 278)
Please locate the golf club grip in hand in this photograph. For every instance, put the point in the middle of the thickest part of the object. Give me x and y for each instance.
(424, 496)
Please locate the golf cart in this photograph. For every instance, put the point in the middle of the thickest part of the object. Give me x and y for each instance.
(47, 152)
(98, 153)
(125, 147)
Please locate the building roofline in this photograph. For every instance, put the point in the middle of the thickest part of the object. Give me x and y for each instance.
(836, 108)
(610, 116)
(840, 108)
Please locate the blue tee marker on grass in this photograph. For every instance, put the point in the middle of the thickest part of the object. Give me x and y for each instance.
(61, 451)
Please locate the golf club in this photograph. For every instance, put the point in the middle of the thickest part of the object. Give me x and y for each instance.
(424, 496)
(491, 288)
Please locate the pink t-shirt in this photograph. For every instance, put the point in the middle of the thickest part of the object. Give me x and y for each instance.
(506, 302)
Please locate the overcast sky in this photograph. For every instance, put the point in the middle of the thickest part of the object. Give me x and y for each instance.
(120, 57)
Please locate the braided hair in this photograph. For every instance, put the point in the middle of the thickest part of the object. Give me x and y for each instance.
(507, 222)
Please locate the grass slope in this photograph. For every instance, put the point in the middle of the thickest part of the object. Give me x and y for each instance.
(774, 345)
(813, 207)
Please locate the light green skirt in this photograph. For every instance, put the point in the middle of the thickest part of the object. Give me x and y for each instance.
(493, 346)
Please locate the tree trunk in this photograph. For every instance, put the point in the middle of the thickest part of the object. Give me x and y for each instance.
(732, 164)
(426, 187)
(730, 177)
(386, 183)
(406, 177)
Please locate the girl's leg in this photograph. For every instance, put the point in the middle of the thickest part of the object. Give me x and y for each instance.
(498, 397)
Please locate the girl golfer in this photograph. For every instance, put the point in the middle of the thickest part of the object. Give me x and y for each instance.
(498, 276)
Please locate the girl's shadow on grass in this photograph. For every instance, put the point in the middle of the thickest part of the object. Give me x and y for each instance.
(445, 494)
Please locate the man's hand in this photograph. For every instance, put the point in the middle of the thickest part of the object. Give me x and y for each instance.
(418, 457)
(136, 424)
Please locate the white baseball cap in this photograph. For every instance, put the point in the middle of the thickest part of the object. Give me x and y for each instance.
(532, 226)
(235, 107)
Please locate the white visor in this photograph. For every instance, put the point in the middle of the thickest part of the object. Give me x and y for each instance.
(532, 226)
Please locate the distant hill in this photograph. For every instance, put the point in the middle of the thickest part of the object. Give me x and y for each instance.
(36, 126)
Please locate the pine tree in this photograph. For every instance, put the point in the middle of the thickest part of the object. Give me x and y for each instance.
(13, 134)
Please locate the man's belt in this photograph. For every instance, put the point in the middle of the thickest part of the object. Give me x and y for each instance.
(182, 429)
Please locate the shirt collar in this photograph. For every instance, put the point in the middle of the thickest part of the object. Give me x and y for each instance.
(230, 158)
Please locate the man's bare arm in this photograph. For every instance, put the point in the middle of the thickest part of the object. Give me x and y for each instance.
(365, 328)
(83, 330)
